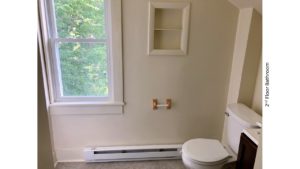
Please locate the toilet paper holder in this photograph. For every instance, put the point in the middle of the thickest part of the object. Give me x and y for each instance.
(155, 104)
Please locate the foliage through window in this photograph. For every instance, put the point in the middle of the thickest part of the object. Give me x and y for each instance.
(80, 41)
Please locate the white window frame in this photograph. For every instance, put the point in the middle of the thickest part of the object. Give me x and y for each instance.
(114, 41)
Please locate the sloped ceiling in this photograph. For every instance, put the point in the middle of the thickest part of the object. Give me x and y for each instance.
(256, 4)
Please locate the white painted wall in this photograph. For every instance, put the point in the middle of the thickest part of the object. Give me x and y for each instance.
(257, 96)
(45, 156)
(256, 4)
(245, 78)
(197, 84)
(239, 55)
(252, 59)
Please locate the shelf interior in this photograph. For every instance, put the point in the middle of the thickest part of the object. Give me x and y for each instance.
(167, 39)
(167, 18)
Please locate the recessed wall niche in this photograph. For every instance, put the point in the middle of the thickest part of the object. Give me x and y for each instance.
(168, 27)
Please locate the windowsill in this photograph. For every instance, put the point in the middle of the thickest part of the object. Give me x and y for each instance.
(86, 108)
(87, 104)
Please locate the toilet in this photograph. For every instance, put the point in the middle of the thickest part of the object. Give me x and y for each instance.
(203, 153)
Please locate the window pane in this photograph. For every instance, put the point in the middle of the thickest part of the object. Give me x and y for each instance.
(80, 18)
(83, 69)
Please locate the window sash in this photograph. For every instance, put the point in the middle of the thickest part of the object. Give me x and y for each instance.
(114, 105)
(55, 59)
(52, 19)
(58, 86)
(82, 40)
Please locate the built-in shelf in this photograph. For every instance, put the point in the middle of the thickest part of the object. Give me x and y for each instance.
(168, 27)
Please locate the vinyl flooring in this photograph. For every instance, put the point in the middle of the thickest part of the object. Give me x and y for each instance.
(159, 164)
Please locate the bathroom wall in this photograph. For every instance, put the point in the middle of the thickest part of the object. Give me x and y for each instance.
(196, 83)
(257, 96)
(255, 4)
(45, 158)
(245, 78)
(252, 59)
(239, 54)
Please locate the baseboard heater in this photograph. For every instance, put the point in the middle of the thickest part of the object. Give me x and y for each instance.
(132, 153)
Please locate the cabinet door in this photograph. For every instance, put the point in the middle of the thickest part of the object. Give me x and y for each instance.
(246, 154)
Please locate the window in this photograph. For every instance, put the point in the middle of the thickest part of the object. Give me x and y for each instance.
(84, 60)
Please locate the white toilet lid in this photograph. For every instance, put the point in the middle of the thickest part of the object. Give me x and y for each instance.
(205, 150)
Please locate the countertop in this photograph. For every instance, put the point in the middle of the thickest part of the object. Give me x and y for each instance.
(254, 134)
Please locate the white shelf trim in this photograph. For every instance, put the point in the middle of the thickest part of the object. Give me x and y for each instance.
(168, 29)
(183, 30)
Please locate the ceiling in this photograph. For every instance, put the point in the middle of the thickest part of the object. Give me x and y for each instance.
(256, 4)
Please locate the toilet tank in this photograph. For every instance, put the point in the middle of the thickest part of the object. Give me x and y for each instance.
(240, 117)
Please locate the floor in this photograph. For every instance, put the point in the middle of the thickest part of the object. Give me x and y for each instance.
(160, 164)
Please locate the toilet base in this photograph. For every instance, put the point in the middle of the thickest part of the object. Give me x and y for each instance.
(192, 165)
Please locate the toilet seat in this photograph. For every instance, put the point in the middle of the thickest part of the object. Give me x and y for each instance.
(184, 158)
(204, 151)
